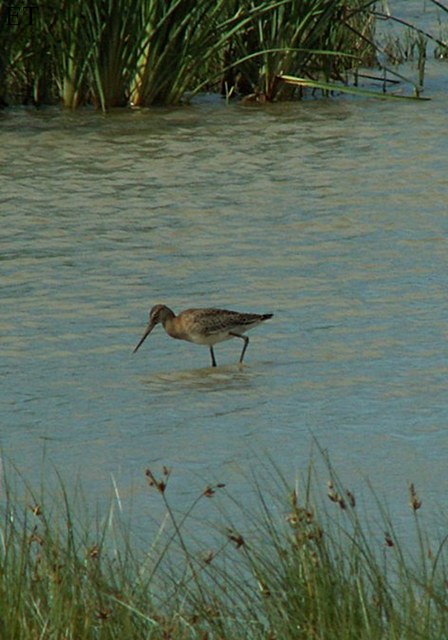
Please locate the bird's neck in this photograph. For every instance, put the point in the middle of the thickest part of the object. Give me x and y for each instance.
(170, 325)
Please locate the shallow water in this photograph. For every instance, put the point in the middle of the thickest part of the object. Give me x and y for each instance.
(332, 214)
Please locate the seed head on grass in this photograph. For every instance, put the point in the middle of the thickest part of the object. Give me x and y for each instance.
(302, 520)
(36, 510)
(388, 540)
(351, 498)
(340, 500)
(208, 557)
(299, 514)
(209, 491)
(415, 503)
(335, 496)
(94, 552)
(236, 538)
(103, 614)
(160, 485)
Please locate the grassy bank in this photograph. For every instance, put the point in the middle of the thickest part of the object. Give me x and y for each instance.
(302, 566)
(110, 53)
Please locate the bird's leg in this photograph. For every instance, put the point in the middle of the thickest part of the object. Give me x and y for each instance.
(213, 357)
(246, 342)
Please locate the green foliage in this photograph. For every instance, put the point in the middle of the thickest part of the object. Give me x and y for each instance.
(113, 52)
(25, 62)
(181, 36)
(321, 39)
(293, 567)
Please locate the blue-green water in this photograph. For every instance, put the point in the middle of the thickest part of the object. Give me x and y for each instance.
(331, 214)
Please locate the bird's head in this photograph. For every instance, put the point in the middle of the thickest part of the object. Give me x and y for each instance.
(158, 314)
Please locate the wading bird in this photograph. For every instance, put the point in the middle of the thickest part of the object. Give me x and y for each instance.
(204, 326)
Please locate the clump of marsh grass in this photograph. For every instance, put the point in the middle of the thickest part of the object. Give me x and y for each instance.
(60, 578)
(115, 53)
(412, 44)
(336, 578)
(302, 563)
(26, 71)
(318, 40)
(441, 48)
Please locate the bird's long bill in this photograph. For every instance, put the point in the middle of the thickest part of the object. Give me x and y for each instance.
(148, 330)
